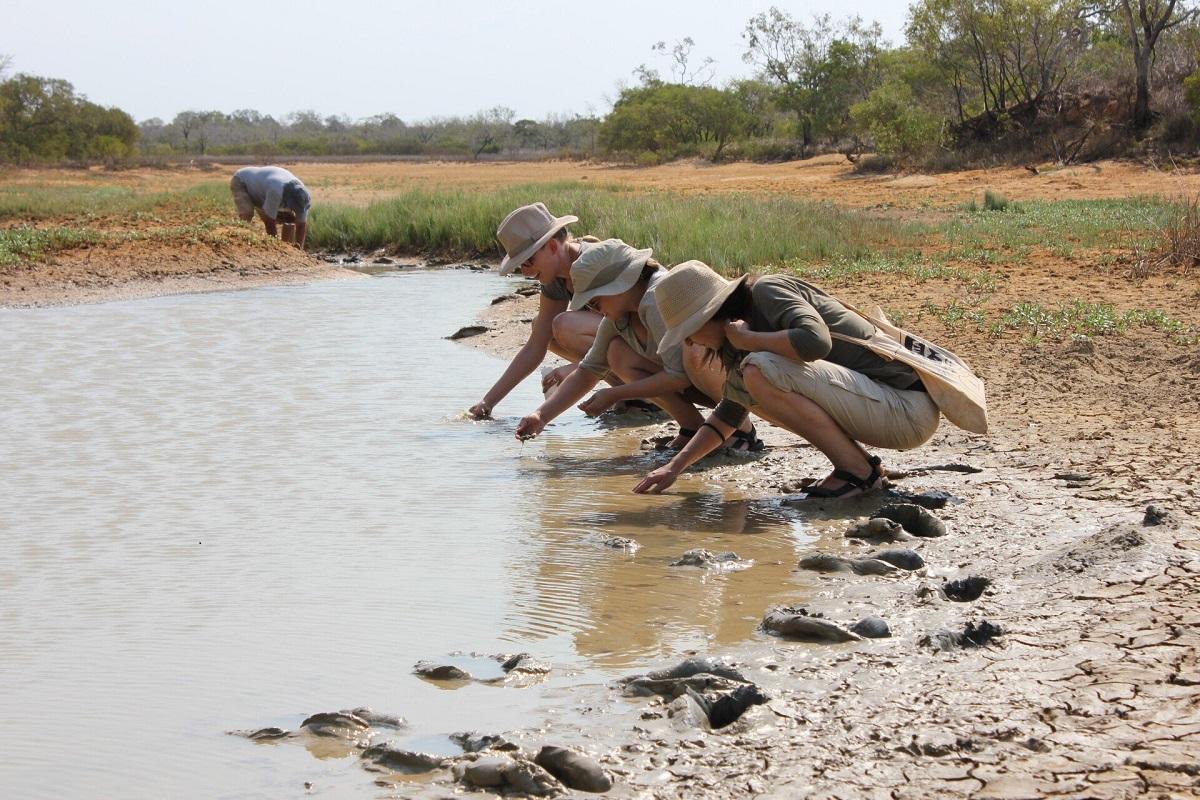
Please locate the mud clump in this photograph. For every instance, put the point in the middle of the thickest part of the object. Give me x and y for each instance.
(472, 742)
(879, 529)
(871, 627)
(825, 562)
(729, 707)
(973, 635)
(508, 774)
(1155, 515)
(901, 557)
(966, 590)
(798, 623)
(339, 724)
(697, 674)
(706, 559)
(522, 664)
(386, 757)
(574, 770)
(621, 543)
(440, 672)
(932, 500)
(468, 331)
(914, 519)
(697, 666)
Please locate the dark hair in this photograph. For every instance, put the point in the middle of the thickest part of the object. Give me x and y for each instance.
(740, 304)
(648, 271)
(562, 234)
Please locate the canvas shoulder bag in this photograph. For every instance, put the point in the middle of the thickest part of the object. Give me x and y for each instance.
(957, 392)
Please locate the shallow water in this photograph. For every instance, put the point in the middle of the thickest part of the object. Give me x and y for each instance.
(232, 510)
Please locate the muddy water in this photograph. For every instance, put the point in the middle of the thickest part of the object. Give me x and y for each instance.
(232, 510)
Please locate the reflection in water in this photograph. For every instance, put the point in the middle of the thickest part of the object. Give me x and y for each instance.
(623, 609)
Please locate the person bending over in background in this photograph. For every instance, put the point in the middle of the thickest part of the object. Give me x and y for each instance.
(777, 357)
(277, 195)
(539, 245)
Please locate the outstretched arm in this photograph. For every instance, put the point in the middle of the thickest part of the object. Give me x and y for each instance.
(710, 436)
(656, 385)
(527, 359)
(569, 392)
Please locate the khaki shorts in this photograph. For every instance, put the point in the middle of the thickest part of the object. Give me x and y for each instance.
(871, 412)
(241, 198)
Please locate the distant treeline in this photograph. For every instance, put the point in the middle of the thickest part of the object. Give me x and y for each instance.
(974, 81)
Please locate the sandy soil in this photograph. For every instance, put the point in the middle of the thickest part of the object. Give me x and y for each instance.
(1091, 691)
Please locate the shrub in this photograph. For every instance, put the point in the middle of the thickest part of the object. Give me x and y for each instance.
(895, 122)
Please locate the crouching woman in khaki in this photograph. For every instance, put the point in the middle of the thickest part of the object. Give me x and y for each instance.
(619, 281)
(772, 336)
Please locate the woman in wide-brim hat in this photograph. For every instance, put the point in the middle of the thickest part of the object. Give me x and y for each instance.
(772, 338)
(540, 246)
(619, 282)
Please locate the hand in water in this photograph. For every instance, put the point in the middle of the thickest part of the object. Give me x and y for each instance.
(530, 426)
(480, 410)
(656, 481)
(556, 376)
(597, 403)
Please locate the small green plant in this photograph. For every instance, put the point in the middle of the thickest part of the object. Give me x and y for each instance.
(994, 202)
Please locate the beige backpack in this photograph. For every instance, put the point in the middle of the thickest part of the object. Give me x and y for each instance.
(957, 392)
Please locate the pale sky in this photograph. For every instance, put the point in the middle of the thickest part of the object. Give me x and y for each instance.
(418, 60)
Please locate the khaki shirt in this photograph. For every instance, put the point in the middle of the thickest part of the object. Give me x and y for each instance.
(596, 360)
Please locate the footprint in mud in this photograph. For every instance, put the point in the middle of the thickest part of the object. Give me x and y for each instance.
(914, 519)
(799, 623)
(826, 562)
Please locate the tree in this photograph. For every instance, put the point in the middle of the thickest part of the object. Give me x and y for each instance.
(43, 118)
(1145, 25)
(681, 64)
(820, 70)
(489, 130)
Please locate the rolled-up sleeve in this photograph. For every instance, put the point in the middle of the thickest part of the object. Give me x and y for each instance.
(787, 311)
(595, 360)
(672, 357)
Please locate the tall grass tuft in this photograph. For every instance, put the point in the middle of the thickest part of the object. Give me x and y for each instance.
(731, 233)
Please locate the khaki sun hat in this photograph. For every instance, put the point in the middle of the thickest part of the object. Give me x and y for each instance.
(688, 297)
(605, 268)
(524, 231)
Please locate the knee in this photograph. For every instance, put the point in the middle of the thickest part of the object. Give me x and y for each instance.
(616, 354)
(756, 383)
(562, 327)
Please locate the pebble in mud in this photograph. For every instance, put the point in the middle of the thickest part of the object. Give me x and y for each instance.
(901, 557)
(574, 770)
(879, 529)
(706, 559)
(797, 623)
(914, 519)
(440, 672)
(871, 627)
(826, 562)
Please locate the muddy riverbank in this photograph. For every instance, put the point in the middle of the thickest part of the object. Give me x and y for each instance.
(1089, 690)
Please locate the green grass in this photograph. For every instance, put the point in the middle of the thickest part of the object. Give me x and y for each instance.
(731, 233)
(26, 243)
(1088, 319)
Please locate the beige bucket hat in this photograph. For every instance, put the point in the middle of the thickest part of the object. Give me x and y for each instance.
(524, 231)
(688, 297)
(605, 268)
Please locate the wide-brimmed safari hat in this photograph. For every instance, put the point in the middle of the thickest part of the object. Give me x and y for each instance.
(524, 231)
(687, 297)
(606, 268)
